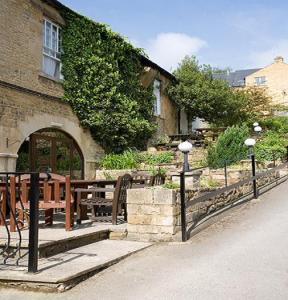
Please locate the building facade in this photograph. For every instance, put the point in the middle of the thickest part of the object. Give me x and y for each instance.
(272, 77)
(39, 131)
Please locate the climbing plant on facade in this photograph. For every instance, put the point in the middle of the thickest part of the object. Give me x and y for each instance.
(102, 84)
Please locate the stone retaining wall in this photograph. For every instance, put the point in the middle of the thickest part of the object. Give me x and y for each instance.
(154, 213)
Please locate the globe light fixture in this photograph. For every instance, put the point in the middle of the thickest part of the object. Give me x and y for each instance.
(250, 142)
(257, 129)
(185, 148)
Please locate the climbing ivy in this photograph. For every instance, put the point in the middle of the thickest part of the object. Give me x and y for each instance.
(102, 84)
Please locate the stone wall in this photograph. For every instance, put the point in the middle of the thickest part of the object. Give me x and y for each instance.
(22, 114)
(153, 214)
(204, 208)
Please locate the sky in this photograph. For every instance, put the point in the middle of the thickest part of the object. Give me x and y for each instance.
(239, 34)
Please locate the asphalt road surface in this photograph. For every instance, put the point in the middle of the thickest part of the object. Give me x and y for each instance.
(242, 256)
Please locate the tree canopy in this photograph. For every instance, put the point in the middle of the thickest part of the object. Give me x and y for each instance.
(201, 95)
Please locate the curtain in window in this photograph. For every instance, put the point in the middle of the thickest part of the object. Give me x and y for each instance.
(51, 66)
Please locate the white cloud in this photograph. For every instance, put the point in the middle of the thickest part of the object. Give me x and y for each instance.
(168, 49)
(266, 57)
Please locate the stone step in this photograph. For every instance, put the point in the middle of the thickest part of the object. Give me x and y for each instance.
(54, 240)
(63, 271)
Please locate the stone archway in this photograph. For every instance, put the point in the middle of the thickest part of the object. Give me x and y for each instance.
(51, 150)
(67, 123)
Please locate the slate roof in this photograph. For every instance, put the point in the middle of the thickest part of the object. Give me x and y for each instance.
(236, 78)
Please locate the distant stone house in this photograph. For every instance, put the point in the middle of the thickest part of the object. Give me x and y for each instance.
(273, 77)
(38, 130)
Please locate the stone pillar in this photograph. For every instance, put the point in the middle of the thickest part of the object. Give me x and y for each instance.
(153, 214)
(8, 162)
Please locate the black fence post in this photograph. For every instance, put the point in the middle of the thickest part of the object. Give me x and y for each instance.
(183, 206)
(34, 223)
(225, 173)
(254, 174)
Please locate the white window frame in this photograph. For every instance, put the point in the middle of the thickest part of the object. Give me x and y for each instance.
(157, 94)
(50, 52)
(261, 80)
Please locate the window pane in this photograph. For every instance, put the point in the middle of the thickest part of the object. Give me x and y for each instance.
(157, 94)
(48, 35)
(54, 38)
(51, 67)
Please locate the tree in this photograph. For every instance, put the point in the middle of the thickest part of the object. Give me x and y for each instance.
(201, 95)
(256, 102)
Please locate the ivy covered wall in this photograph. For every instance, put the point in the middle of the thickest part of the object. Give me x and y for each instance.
(102, 84)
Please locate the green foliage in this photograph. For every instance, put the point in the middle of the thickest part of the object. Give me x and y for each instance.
(271, 146)
(156, 158)
(155, 171)
(171, 185)
(102, 84)
(130, 159)
(209, 183)
(276, 124)
(127, 160)
(212, 99)
(229, 147)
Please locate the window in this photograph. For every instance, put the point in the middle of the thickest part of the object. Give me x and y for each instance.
(51, 49)
(260, 80)
(157, 94)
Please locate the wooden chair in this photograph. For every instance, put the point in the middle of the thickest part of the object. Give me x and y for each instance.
(97, 197)
(53, 194)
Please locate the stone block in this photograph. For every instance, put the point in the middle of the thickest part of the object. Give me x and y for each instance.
(140, 196)
(152, 209)
(133, 209)
(164, 196)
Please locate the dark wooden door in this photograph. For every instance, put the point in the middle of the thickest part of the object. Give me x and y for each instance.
(55, 154)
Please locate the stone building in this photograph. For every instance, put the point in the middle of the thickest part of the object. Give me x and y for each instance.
(38, 130)
(272, 77)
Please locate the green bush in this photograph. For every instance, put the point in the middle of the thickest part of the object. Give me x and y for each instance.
(271, 146)
(156, 158)
(229, 148)
(171, 185)
(276, 124)
(127, 160)
(130, 159)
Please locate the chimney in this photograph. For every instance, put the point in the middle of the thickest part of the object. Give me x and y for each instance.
(278, 59)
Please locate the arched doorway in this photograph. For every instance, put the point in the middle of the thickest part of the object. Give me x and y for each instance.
(51, 150)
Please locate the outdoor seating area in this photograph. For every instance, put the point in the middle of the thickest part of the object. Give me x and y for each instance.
(99, 200)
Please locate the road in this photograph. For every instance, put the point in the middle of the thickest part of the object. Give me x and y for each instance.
(242, 256)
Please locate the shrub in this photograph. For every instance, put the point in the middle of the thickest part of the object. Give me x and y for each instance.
(156, 158)
(126, 160)
(271, 146)
(276, 124)
(171, 185)
(229, 148)
(130, 159)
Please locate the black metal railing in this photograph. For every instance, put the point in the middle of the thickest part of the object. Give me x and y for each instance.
(256, 185)
(11, 208)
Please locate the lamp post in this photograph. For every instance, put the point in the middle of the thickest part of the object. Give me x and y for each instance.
(185, 148)
(250, 144)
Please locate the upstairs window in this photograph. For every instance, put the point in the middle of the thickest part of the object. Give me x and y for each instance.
(260, 80)
(51, 49)
(157, 94)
